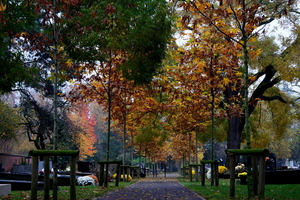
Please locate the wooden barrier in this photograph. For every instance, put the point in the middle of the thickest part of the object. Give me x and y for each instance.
(101, 172)
(134, 169)
(257, 180)
(214, 169)
(34, 175)
(196, 167)
(184, 169)
(125, 171)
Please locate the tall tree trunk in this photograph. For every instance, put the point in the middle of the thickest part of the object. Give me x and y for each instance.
(237, 121)
(234, 134)
(124, 140)
(55, 126)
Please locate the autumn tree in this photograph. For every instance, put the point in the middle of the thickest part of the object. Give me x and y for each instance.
(27, 45)
(18, 143)
(38, 119)
(168, 108)
(10, 120)
(155, 114)
(179, 99)
(238, 23)
(84, 133)
(130, 35)
(15, 17)
(139, 29)
(124, 108)
(294, 138)
(208, 63)
(100, 129)
(277, 127)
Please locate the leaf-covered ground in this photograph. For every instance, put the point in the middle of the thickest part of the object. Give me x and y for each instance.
(153, 188)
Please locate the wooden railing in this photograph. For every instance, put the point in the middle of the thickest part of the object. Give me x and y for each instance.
(46, 154)
(214, 172)
(258, 176)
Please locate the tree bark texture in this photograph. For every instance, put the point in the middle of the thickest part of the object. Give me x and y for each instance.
(237, 121)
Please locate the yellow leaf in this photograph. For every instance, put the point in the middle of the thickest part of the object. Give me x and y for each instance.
(23, 34)
(69, 62)
(60, 48)
(188, 98)
(2, 7)
(226, 81)
(229, 11)
(239, 73)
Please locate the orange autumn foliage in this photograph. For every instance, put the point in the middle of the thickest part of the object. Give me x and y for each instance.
(84, 136)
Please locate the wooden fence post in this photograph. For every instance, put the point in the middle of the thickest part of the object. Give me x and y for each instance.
(106, 164)
(101, 174)
(118, 174)
(262, 168)
(232, 175)
(34, 178)
(46, 154)
(46, 177)
(254, 174)
(216, 171)
(73, 178)
(262, 176)
(191, 173)
(202, 174)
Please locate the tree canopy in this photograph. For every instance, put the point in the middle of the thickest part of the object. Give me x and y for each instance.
(138, 31)
(161, 97)
(10, 123)
(16, 17)
(239, 23)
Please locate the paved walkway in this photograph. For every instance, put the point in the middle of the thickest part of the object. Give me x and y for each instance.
(155, 188)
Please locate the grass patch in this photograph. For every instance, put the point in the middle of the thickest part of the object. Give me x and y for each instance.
(221, 192)
(82, 192)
